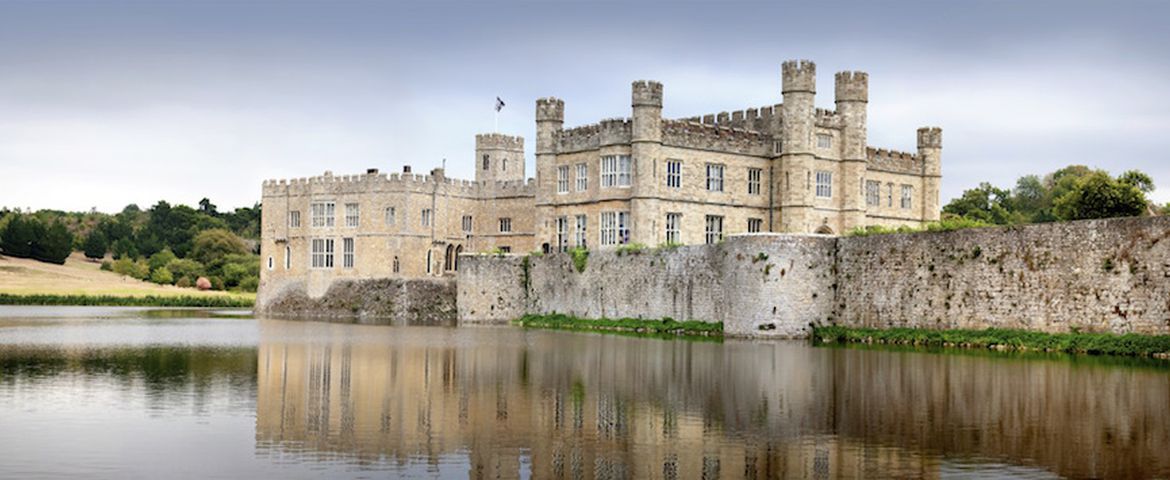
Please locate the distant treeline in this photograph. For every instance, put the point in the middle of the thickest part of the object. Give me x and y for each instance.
(108, 300)
(165, 244)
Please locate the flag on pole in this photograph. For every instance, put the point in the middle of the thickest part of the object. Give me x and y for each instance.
(499, 104)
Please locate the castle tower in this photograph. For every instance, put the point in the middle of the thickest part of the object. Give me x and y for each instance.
(796, 158)
(550, 121)
(499, 157)
(645, 149)
(930, 151)
(852, 96)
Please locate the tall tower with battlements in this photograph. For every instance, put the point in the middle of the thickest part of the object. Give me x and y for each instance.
(499, 157)
(795, 182)
(930, 151)
(852, 96)
(645, 150)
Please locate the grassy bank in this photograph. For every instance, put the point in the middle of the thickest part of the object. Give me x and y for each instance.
(665, 326)
(128, 301)
(1133, 345)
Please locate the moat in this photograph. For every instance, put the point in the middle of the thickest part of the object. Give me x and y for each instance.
(148, 393)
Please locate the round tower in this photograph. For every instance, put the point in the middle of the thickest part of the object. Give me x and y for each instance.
(499, 157)
(645, 150)
(851, 94)
(930, 151)
(799, 88)
(550, 121)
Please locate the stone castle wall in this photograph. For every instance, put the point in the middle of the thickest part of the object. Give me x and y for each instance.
(1099, 275)
(416, 301)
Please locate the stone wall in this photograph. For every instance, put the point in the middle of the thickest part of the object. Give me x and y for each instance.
(416, 301)
(1097, 275)
(757, 285)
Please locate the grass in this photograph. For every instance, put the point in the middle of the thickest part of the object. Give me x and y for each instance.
(665, 326)
(1132, 344)
(128, 301)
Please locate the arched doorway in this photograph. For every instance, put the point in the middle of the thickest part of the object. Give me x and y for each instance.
(449, 262)
(825, 230)
(458, 252)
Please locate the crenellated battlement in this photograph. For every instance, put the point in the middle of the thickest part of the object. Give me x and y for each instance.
(499, 141)
(407, 182)
(851, 86)
(714, 137)
(611, 131)
(647, 93)
(758, 119)
(930, 137)
(827, 118)
(799, 76)
(550, 109)
(893, 161)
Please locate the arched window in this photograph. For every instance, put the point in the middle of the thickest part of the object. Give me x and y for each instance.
(395, 264)
(287, 258)
(270, 263)
(458, 251)
(428, 262)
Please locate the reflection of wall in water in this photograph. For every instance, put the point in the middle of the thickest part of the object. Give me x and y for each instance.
(578, 406)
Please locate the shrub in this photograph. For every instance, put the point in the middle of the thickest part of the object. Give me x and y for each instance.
(161, 259)
(184, 282)
(250, 283)
(580, 257)
(630, 249)
(162, 276)
(107, 265)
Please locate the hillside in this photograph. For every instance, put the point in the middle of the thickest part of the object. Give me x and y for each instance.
(79, 276)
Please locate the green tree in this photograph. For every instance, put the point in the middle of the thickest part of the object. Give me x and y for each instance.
(161, 259)
(125, 248)
(54, 245)
(212, 246)
(1099, 196)
(18, 236)
(985, 203)
(162, 276)
(95, 244)
(1138, 179)
(186, 268)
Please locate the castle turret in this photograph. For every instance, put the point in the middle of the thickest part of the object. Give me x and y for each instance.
(550, 121)
(852, 96)
(930, 151)
(796, 158)
(645, 150)
(499, 157)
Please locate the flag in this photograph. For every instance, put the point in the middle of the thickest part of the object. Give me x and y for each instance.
(499, 104)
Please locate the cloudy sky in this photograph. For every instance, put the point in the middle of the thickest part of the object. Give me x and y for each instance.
(106, 103)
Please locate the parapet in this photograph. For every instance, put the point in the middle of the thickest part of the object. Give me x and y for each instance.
(647, 93)
(893, 161)
(612, 131)
(827, 119)
(499, 141)
(704, 136)
(550, 109)
(929, 137)
(757, 119)
(851, 87)
(799, 76)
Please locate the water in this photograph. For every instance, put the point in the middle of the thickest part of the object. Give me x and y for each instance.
(144, 393)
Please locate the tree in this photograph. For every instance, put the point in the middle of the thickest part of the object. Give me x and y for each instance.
(17, 238)
(1100, 196)
(186, 268)
(162, 276)
(985, 203)
(212, 246)
(1137, 179)
(95, 244)
(161, 259)
(55, 245)
(205, 206)
(124, 248)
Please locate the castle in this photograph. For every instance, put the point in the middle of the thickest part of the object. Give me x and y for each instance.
(789, 167)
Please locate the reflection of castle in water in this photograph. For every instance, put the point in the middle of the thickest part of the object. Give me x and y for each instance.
(592, 406)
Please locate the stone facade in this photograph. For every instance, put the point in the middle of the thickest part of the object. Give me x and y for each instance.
(788, 168)
(1095, 275)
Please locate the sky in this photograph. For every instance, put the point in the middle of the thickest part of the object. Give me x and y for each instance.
(103, 104)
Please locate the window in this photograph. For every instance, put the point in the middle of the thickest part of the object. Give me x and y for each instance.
(754, 181)
(714, 177)
(889, 194)
(322, 214)
(563, 179)
(294, 218)
(755, 224)
(504, 165)
(506, 249)
(390, 216)
(347, 253)
(322, 253)
(824, 184)
(562, 234)
(673, 174)
(714, 230)
(615, 228)
(467, 223)
(352, 217)
(505, 225)
(907, 196)
(287, 257)
(426, 217)
(582, 227)
(428, 261)
(485, 162)
(873, 195)
(270, 263)
(582, 177)
(615, 171)
(673, 221)
(824, 141)
(396, 266)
